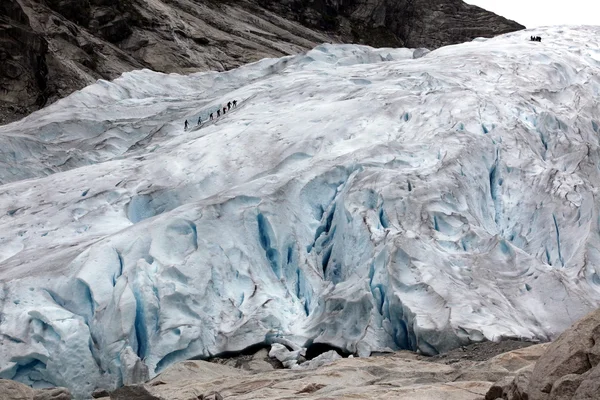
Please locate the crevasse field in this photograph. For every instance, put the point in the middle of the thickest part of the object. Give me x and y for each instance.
(361, 198)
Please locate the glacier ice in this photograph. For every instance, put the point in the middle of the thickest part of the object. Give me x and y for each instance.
(364, 199)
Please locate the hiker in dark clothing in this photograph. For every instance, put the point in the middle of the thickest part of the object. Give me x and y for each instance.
(539, 39)
(228, 106)
(218, 113)
(234, 103)
(224, 110)
(199, 120)
(185, 126)
(211, 116)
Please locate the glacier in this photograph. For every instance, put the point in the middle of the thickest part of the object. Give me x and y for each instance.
(359, 199)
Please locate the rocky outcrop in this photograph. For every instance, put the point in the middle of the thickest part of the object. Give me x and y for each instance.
(401, 375)
(11, 390)
(134, 392)
(52, 394)
(568, 370)
(49, 48)
(396, 23)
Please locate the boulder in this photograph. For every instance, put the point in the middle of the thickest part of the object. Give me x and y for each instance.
(568, 362)
(568, 370)
(211, 396)
(58, 393)
(100, 393)
(134, 392)
(12, 390)
(511, 388)
(590, 385)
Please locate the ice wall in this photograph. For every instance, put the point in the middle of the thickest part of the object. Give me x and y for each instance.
(355, 197)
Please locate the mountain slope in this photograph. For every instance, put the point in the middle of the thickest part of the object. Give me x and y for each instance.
(50, 48)
(355, 197)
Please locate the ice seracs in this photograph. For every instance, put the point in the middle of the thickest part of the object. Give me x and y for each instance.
(363, 199)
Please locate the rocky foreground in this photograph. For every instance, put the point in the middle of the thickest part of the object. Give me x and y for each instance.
(568, 369)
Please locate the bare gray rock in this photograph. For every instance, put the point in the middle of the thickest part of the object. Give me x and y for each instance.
(100, 393)
(58, 393)
(11, 390)
(402, 375)
(568, 370)
(396, 23)
(565, 386)
(134, 392)
(575, 352)
(211, 396)
(511, 387)
(589, 388)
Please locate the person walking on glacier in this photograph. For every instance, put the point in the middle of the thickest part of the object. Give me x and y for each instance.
(218, 113)
(185, 125)
(211, 116)
(199, 120)
(228, 106)
(224, 110)
(234, 103)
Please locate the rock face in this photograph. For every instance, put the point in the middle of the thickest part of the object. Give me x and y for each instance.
(568, 370)
(50, 48)
(395, 23)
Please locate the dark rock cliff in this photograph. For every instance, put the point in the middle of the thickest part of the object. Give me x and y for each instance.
(49, 48)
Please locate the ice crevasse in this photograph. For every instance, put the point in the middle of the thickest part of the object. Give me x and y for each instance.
(361, 198)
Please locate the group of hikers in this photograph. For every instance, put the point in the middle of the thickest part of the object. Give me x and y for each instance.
(536, 39)
(226, 108)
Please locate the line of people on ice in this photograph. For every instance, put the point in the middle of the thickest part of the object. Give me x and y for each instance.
(230, 104)
(536, 39)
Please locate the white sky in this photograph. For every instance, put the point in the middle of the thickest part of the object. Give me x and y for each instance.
(534, 13)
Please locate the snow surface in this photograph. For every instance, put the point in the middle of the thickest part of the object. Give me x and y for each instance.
(356, 197)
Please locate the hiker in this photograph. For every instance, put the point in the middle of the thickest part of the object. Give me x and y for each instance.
(211, 116)
(185, 126)
(234, 103)
(539, 39)
(531, 38)
(228, 106)
(218, 113)
(199, 120)
(224, 110)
